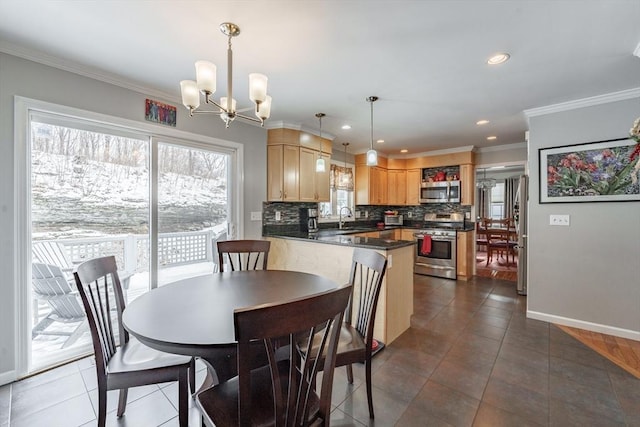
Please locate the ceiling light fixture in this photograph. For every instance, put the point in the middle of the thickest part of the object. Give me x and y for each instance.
(346, 127)
(380, 141)
(498, 58)
(404, 150)
(206, 83)
(345, 177)
(491, 138)
(482, 122)
(372, 155)
(320, 162)
(485, 183)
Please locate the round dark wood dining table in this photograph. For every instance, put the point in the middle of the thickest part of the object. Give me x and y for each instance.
(194, 316)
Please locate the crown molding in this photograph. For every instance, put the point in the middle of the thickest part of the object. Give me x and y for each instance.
(432, 153)
(298, 126)
(84, 70)
(584, 102)
(503, 147)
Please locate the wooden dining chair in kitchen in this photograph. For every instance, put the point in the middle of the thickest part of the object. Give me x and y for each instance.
(126, 363)
(356, 343)
(243, 254)
(283, 392)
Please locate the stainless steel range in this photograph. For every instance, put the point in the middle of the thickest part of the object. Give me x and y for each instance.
(436, 248)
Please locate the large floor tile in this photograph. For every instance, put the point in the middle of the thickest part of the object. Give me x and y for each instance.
(27, 400)
(72, 412)
(446, 404)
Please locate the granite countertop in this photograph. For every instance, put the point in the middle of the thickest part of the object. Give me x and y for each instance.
(345, 237)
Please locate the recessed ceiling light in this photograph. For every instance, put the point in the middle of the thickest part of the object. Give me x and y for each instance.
(380, 141)
(491, 138)
(482, 122)
(498, 58)
(404, 150)
(346, 127)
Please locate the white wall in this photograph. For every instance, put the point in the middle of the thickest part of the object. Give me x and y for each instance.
(32, 80)
(588, 274)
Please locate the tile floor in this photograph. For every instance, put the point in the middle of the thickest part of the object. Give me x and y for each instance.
(471, 358)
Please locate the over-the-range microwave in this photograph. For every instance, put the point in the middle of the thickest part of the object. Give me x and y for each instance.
(440, 192)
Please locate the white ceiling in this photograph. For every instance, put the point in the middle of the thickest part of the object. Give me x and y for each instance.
(425, 60)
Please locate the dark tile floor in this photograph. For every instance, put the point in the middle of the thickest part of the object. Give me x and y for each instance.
(471, 358)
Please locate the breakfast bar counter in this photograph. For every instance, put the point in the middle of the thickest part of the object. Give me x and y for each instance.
(330, 256)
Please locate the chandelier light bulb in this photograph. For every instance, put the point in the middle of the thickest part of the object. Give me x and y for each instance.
(206, 77)
(257, 87)
(190, 95)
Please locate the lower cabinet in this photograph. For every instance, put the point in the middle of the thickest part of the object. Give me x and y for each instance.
(465, 255)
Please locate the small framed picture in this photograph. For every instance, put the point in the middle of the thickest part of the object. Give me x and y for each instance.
(160, 113)
(599, 171)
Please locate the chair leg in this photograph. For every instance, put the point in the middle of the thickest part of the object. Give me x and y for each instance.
(367, 368)
(183, 397)
(192, 376)
(122, 401)
(102, 406)
(349, 374)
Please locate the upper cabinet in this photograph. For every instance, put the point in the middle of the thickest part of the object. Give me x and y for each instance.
(397, 187)
(414, 176)
(468, 182)
(291, 166)
(371, 182)
(397, 181)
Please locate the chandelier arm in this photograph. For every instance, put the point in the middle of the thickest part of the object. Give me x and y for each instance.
(242, 116)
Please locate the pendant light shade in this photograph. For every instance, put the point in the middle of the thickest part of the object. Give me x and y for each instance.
(320, 163)
(372, 155)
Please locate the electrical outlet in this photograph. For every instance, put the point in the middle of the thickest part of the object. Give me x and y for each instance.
(278, 216)
(357, 214)
(410, 214)
(256, 216)
(562, 220)
(366, 214)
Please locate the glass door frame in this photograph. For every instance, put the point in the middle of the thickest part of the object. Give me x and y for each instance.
(23, 107)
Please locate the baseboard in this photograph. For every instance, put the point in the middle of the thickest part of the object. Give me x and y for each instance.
(588, 326)
(8, 377)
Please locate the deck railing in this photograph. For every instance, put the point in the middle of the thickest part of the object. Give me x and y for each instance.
(132, 251)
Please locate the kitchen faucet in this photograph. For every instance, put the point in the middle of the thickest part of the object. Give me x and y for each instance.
(340, 221)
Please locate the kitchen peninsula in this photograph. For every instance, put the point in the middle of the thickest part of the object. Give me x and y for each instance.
(328, 253)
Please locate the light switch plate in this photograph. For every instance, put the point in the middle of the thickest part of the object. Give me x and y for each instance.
(562, 220)
(256, 216)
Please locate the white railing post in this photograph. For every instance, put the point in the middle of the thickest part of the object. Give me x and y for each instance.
(130, 253)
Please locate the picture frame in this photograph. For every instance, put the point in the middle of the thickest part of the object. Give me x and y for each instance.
(159, 112)
(598, 171)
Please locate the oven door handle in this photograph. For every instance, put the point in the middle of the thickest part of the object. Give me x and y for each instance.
(436, 239)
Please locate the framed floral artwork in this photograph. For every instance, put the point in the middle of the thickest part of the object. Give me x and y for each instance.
(600, 171)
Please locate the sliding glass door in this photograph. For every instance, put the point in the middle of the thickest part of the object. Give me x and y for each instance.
(96, 190)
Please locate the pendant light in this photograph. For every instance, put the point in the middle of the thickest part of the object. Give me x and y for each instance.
(320, 163)
(372, 155)
(345, 176)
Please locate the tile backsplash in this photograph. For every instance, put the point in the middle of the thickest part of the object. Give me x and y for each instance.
(290, 212)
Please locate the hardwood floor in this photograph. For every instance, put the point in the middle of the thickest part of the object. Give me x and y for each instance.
(496, 269)
(623, 352)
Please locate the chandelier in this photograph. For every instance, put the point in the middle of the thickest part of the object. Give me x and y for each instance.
(485, 183)
(372, 155)
(206, 83)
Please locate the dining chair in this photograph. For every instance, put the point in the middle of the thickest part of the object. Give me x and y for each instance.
(243, 254)
(127, 363)
(497, 243)
(282, 393)
(481, 234)
(356, 337)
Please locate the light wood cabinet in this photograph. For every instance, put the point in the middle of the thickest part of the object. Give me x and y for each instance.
(283, 169)
(397, 187)
(291, 166)
(407, 234)
(464, 253)
(414, 177)
(468, 182)
(371, 185)
(314, 186)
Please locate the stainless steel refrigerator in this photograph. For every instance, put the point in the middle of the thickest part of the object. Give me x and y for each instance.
(521, 220)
